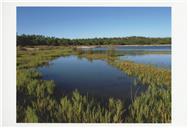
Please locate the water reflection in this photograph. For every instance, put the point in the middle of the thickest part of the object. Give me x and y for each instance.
(159, 56)
(158, 60)
(96, 78)
(100, 79)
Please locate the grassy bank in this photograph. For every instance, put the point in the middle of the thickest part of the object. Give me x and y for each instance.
(36, 101)
(154, 105)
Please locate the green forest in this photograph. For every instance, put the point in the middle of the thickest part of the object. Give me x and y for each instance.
(28, 40)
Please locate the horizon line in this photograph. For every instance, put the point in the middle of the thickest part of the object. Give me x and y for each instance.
(93, 37)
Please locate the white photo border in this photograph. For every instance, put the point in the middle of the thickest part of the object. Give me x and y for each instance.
(179, 62)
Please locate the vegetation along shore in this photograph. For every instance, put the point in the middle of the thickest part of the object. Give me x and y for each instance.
(37, 101)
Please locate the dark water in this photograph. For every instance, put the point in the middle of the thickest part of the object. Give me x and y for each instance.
(100, 79)
(96, 78)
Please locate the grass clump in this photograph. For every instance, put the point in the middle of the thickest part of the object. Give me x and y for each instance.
(82, 109)
(152, 106)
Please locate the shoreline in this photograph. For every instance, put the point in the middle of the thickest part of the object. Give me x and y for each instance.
(98, 46)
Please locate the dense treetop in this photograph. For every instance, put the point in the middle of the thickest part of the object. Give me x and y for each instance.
(24, 40)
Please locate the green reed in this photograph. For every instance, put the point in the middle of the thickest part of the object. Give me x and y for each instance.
(36, 101)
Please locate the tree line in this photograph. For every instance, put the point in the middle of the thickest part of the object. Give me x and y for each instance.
(29, 40)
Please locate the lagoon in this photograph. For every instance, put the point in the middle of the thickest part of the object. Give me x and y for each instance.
(159, 56)
(96, 78)
(158, 60)
(100, 79)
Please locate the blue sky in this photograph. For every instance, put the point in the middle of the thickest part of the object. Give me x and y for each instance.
(89, 22)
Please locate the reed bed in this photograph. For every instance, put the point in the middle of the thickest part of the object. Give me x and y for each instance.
(36, 101)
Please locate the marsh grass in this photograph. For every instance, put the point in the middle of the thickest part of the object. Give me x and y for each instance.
(35, 98)
(154, 105)
(147, 74)
(36, 101)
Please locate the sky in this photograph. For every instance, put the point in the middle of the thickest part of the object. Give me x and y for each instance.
(90, 22)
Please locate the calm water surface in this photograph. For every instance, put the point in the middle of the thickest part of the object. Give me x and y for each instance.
(158, 60)
(132, 48)
(96, 78)
(159, 56)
